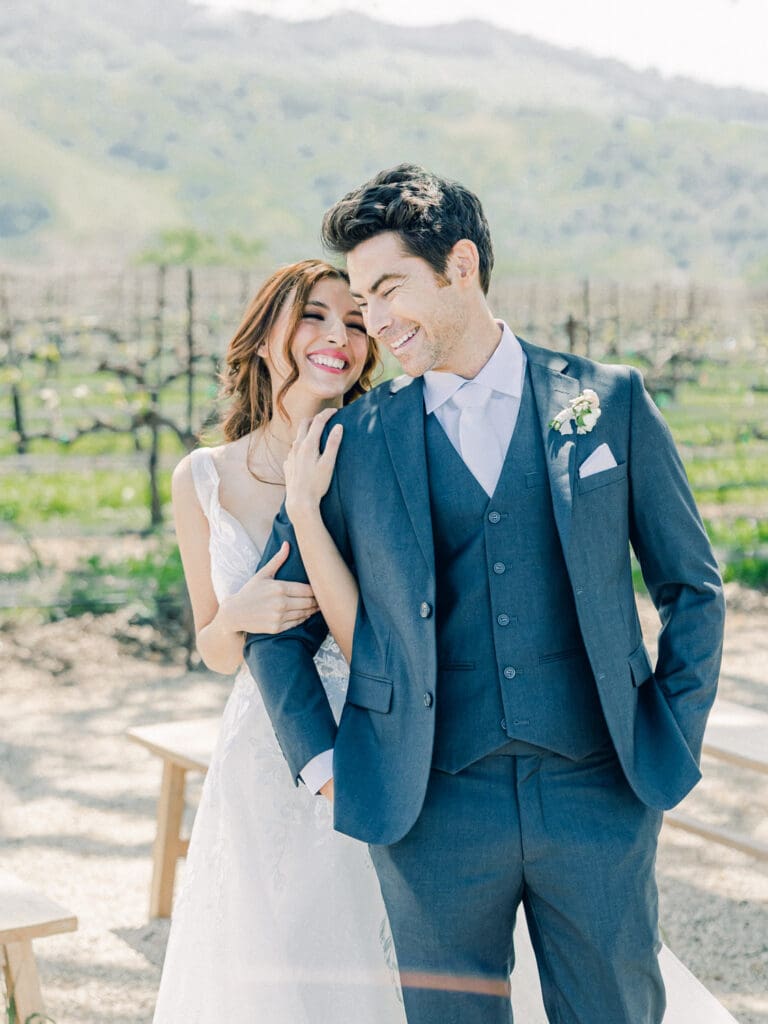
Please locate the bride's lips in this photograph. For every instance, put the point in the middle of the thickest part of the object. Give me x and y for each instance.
(331, 360)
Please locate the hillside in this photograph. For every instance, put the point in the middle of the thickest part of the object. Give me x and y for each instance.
(119, 121)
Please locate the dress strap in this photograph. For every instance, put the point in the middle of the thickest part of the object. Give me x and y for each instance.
(206, 480)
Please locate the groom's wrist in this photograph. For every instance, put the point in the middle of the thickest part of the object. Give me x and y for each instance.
(317, 772)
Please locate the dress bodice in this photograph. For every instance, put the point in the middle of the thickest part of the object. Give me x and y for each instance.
(234, 559)
(234, 556)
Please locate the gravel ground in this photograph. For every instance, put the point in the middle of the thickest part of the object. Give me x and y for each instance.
(77, 804)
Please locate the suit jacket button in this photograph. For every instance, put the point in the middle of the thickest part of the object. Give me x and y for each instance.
(509, 672)
(494, 517)
(499, 568)
(428, 698)
(425, 609)
(503, 619)
(503, 724)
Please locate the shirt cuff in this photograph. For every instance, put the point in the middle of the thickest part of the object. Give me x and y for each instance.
(319, 771)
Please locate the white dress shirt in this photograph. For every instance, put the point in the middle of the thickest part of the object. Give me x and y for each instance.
(503, 374)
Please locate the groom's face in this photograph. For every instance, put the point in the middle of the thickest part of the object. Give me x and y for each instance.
(418, 315)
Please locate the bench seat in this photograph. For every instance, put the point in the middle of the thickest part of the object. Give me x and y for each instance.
(26, 914)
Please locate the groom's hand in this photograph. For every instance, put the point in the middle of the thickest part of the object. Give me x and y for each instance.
(327, 790)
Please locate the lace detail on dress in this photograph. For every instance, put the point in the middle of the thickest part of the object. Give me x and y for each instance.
(278, 917)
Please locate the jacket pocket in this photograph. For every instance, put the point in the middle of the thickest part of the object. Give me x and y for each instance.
(602, 478)
(371, 692)
(640, 665)
(570, 652)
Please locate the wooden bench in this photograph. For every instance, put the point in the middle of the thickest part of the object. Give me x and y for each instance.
(183, 747)
(26, 915)
(738, 735)
(735, 733)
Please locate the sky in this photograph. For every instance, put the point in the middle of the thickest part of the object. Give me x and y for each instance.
(720, 41)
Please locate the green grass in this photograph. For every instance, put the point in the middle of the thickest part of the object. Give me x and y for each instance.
(92, 498)
(752, 572)
(153, 585)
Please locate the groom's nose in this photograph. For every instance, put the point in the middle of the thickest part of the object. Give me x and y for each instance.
(378, 318)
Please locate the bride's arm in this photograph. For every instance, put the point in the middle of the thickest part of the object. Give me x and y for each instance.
(262, 605)
(307, 477)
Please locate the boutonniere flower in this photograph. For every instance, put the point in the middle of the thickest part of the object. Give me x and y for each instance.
(583, 410)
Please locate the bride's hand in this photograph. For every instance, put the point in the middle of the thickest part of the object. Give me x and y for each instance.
(267, 605)
(307, 472)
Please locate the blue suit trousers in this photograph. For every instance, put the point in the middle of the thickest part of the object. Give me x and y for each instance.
(568, 839)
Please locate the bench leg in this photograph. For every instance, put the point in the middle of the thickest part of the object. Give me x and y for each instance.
(21, 979)
(168, 843)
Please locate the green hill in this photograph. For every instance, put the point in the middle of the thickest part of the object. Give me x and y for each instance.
(122, 120)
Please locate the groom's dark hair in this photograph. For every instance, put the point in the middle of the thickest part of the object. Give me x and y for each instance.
(429, 213)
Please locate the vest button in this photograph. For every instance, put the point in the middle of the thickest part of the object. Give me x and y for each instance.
(494, 517)
(503, 619)
(425, 609)
(499, 568)
(428, 698)
(504, 724)
(509, 672)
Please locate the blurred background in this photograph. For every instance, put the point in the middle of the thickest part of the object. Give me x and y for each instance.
(157, 160)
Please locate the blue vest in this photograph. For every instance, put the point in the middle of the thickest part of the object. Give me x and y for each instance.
(511, 660)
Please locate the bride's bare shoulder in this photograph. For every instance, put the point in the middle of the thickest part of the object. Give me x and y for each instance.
(233, 457)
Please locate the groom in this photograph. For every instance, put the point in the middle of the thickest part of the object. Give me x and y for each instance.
(505, 737)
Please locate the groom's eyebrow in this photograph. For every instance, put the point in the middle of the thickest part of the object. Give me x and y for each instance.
(377, 284)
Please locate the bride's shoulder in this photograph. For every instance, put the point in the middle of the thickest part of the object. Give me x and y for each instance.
(199, 465)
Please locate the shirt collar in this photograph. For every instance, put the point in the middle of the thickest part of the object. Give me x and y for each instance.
(502, 373)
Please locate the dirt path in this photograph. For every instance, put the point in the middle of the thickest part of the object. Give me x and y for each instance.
(77, 804)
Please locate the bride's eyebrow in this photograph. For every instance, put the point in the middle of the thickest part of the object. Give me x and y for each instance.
(315, 302)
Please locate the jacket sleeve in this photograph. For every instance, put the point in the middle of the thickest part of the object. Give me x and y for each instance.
(678, 566)
(283, 663)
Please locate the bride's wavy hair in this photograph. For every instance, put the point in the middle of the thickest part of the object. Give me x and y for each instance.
(246, 386)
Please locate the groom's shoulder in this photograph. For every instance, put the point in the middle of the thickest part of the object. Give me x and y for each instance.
(591, 373)
(364, 411)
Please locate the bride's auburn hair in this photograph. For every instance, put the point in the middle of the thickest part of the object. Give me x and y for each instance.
(245, 383)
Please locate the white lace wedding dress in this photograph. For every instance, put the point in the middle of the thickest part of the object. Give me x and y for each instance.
(279, 919)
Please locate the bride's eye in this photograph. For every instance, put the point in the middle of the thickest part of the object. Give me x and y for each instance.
(312, 316)
(356, 327)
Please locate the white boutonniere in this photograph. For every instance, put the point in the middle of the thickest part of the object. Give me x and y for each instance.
(583, 410)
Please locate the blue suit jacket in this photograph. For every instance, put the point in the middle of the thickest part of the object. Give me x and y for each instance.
(377, 510)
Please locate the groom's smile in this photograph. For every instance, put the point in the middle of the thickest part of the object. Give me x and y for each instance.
(397, 345)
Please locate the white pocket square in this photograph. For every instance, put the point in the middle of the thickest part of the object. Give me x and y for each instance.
(600, 459)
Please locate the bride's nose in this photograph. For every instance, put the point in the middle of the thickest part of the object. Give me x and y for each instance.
(337, 333)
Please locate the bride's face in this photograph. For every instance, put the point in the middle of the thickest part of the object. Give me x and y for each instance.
(330, 344)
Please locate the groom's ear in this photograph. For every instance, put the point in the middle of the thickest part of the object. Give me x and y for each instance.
(464, 262)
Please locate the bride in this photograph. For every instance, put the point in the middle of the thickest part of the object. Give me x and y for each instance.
(279, 919)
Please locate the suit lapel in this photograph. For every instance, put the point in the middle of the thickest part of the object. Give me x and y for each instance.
(553, 390)
(402, 420)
